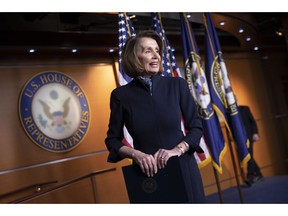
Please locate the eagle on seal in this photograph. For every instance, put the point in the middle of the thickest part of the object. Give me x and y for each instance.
(57, 117)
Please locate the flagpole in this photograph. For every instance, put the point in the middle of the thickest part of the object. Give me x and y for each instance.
(218, 185)
(240, 168)
(234, 166)
(241, 171)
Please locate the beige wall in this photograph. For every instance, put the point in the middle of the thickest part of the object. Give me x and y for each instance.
(23, 163)
(18, 153)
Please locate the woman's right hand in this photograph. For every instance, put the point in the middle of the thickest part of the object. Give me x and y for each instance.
(146, 162)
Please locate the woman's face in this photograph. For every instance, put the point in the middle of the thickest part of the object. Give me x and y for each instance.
(148, 54)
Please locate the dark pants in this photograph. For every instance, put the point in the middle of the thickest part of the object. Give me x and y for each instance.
(252, 167)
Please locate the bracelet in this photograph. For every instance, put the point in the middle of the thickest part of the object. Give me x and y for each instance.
(186, 144)
(181, 149)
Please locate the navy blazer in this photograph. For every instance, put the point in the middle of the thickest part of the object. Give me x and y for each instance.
(153, 121)
(248, 121)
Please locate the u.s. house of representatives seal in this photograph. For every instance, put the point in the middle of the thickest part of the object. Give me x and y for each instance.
(54, 111)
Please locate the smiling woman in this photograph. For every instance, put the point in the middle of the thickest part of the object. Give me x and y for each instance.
(144, 106)
(140, 52)
(148, 54)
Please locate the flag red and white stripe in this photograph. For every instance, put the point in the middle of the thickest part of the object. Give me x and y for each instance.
(125, 31)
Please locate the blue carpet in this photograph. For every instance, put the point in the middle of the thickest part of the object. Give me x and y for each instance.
(270, 190)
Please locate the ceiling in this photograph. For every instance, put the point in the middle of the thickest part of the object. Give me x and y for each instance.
(95, 33)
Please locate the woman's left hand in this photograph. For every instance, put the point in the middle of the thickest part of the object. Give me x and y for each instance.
(162, 156)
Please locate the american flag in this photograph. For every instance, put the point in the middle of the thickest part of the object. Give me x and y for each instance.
(168, 59)
(171, 69)
(126, 30)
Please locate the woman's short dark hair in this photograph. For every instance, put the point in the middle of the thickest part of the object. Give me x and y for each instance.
(130, 62)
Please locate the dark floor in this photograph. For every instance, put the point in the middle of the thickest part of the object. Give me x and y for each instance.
(270, 190)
